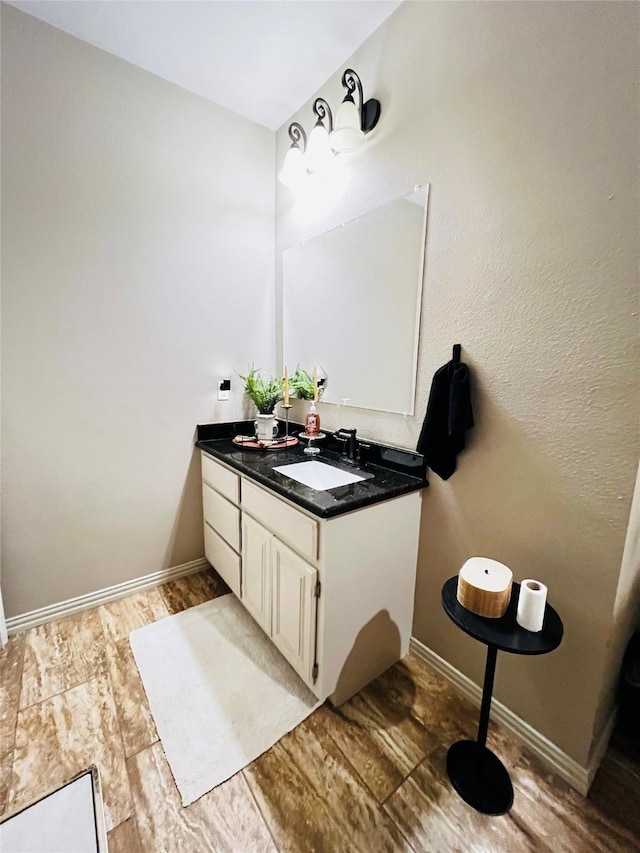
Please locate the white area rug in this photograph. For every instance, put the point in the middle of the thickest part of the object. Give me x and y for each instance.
(69, 819)
(219, 691)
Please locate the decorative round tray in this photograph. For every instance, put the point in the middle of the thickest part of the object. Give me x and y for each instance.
(253, 443)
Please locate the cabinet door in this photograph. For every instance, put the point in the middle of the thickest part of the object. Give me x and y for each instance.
(293, 616)
(256, 571)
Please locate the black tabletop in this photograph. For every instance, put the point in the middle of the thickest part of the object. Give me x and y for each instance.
(504, 633)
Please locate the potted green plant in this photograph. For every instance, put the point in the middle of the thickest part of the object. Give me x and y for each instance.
(264, 392)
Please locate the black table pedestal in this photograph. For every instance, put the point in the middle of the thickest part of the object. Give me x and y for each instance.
(476, 773)
(479, 777)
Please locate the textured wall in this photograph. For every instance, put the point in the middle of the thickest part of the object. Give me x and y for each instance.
(523, 118)
(137, 267)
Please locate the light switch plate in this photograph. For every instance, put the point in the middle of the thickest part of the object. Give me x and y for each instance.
(224, 389)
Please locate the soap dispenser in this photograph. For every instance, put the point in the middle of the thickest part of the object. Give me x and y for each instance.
(312, 421)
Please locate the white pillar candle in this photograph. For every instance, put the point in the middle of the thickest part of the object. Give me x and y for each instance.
(531, 604)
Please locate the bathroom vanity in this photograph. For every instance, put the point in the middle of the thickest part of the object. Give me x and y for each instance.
(329, 574)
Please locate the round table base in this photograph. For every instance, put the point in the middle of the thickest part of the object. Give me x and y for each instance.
(479, 777)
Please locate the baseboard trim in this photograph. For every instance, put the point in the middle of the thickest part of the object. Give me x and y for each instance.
(601, 745)
(567, 768)
(101, 596)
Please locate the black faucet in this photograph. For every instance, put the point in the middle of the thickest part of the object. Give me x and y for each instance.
(348, 436)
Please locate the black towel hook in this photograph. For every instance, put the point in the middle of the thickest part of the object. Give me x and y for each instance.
(457, 350)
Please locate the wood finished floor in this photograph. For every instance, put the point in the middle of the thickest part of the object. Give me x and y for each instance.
(369, 776)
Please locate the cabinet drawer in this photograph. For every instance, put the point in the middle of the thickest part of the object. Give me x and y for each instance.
(300, 531)
(223, 516)
(221, 479)
(223, 558)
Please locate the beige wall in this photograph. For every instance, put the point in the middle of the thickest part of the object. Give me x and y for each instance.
(137, 267)
(523, 118)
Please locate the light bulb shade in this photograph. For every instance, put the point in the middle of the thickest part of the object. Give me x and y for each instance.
(318, 155)
(293, 170)
(348, 135)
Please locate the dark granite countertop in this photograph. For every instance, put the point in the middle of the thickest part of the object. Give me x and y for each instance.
(389, 471)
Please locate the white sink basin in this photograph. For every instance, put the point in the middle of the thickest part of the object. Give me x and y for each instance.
(318, 476)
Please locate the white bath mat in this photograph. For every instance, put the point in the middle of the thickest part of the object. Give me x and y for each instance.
(69, 819)
(219, 691)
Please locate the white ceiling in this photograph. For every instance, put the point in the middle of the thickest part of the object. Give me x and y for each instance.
(261, 58)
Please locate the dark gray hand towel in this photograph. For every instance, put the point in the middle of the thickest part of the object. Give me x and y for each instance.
(449, 414)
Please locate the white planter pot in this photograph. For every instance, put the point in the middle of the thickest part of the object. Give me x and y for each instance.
(266, 427)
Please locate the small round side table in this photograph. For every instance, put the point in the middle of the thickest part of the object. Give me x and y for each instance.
(475, 772)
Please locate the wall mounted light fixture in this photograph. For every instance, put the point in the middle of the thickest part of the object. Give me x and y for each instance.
(319, 153)
(293, 169)
(353, 122)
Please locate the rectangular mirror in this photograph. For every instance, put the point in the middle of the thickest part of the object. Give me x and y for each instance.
(351, 305)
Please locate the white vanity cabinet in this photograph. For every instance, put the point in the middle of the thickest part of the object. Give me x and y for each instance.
(335, 595)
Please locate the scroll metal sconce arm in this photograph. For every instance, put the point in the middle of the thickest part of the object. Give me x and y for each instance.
(369, 110)
(323, 112)
(297, 136)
